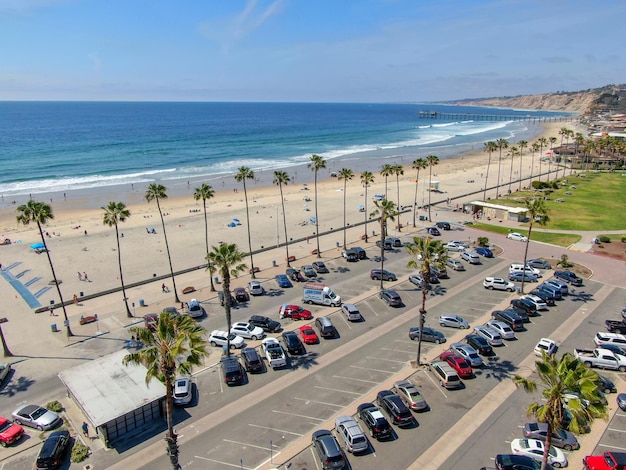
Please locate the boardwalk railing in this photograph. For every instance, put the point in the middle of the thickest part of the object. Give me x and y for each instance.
(493, 117)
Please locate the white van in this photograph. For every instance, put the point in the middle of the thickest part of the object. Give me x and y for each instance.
(447, 376)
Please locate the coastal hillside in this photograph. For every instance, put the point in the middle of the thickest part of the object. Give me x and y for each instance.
(609, 98)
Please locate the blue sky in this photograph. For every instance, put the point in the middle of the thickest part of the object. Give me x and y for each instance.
(306, 50)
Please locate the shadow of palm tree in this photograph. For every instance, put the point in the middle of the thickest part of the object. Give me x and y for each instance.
(20, 384)
(497, 369)
(306, 361)
(581, 296)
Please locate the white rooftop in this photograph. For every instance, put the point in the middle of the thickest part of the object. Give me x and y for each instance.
(106, 389)
(514, 210)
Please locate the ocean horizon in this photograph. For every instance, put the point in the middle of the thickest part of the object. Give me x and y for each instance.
(52, 147)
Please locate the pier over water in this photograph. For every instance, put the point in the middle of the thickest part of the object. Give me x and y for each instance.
(493, 117)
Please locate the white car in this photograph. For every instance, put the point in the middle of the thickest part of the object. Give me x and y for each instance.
(255, 288)
(194, 309)
(518, 267)
(546, 344)
(221, 338)
(182, 391)
(609, 338)
(498, 283)
(538, 302)
(454, 246)
(248, 331)
(505, 330)
(468, 353)
(533, 448)
(491, 335)
(517, 236)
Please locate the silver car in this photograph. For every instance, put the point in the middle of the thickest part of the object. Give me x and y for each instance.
(36, 417)
(563, 439)
(505, 330)
(453, 321)
(410, 395)
(467, 352)
(455, 264)
(491, 335)
(182, 391)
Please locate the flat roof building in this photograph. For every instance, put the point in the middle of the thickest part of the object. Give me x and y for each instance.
(496, 211)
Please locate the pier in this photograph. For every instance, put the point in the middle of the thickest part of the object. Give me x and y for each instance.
(493, 117)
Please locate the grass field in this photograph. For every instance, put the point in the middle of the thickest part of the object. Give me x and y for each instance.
(559, 239)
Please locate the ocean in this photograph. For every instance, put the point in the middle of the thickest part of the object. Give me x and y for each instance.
(63, 146)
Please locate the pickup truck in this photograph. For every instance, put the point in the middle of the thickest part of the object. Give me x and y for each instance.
(616, 326)
(274, 353)
(601, 358)
(606, 461)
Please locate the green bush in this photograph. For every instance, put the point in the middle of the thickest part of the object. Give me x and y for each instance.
(55, 406)
(483, 241)
(540, 184)
(79, 452)
(604, 239)
(623, 239)
(564, 262)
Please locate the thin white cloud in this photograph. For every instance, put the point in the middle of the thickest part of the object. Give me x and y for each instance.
(95, 60)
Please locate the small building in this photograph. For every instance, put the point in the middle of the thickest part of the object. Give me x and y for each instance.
(115, 398)
(434, 186)
(496, 211)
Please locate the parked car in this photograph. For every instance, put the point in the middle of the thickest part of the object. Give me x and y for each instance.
(516, 462)
(395, 242)
(523, 307)
(517, 237)
(350, 255)
(255, 288)
(294, 274)
(455, 264)
(509, 317)
(621, 401)
(391, 297)
(418, 280)
(53, 450)
(269, 325)
(533, 448)
(538, 263)
(569, 277)
(556, 284)
(374, 420)
(351, 434)
(505, 331)
(320, 267)
(544, 295)
(443, 225)
(194, 309)
(458, 363)
(248, 331)
(37, 417)
(309, 336)
(454, 246)
(428, 334)
(328, 450)
(561, 438)
(519, 276)
(309, 271)
(453, 321)
(292, 343)
(438, 272)
(351, 312)
(602, 338)
(241, 295)
(537, 301)
(484, 251)
(182, 391)
(251, 360)
(498, 283)
(470, 257)
(480, 344)
(10, 432)
(151, 320)
(232, 370)
(410, 395)
(492, 336)
(383, 274)
(325, 327)
(519, 267)
(433, 231)
(468, 353)
(360, 252)
(295, 312)
(221, 338)
(395, 408)
(233, 301)
(605, 384)
(283, 281)
(387, 244)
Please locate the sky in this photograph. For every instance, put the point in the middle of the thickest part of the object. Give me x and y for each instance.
(372, 51)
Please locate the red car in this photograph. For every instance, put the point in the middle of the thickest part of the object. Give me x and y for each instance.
(295, 312)
(9, 432)
(458, 363)
(309, 336)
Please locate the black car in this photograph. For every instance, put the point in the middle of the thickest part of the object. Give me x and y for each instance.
(292, 343)
(360, 252)
(328, 450)
(53, 450)
(251, 360)
(268, 325)
(391, 297)
(605, 385)
(433, 231)
(320, 267)
(510, 317)
(443, 225)
(374, 420)
(231, 368)
(480, 344)
(516, 462)
(548, 298)
(539, 263)
(393, 405)
(569, 277)
(523, 307)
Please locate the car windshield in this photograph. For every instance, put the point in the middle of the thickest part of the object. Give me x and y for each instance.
(232, 336)
(250, 327)
(6, 425)
(38, 413)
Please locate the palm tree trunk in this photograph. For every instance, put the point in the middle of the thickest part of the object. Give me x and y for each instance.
(399, 207)
(227, 304)
(344, 214)
(530, 229)
(171, 438)
(511, 173)
(430, 177)
(417, 179)
(169, 256)
(486, 178)
(498, 182)
(365, 205)
(382, 251)
(119, 262)
(282, 200)
(206, 241)
(317, 221)
(422, 314)
(245, 192)
(519, 177)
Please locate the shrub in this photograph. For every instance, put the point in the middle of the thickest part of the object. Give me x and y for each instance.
(79, 452)
(540, 184)
(564, 262)
(623, 239)
(483, 241)
(55, 406)
(604, 239)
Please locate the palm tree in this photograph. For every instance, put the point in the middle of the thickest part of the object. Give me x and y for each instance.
(386, 171)
(513, 152)
(536, 211)
(398, 170)
(552, 141)
(418, 165)
(40, 213)
(385, 210)
(535, 148)
(432, 161)
(204, 192)
(501, 144)
(157, 192)
(558, 377)
(282, 178)
(244, 173)
(579, 139)
(114, 214)
(563, 132)
(488, 147)
(426, 253)
(522, 144)
(367, 178)
(173, 347)
(543, 142)
(345, 174)
(317, 163)
(227, 260)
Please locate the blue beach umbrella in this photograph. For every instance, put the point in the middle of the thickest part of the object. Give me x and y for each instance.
(232, 224)
(37, 246)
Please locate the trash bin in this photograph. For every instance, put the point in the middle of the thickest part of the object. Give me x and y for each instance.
(142, 303)
(54, 328)
(82, 294)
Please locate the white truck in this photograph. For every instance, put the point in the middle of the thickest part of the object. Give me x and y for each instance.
(601, 358)
(274, 353)
(321, 294)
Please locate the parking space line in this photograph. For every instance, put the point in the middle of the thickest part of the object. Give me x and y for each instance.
(612, 447)
(383, 359)
(397, 350)
(338, 390)
(375, 370)
(244, 444)
(308, 400)
(299, 416)
(239, 465)
(274, 429)
(358, 380)
(617, 430)
(436, 385)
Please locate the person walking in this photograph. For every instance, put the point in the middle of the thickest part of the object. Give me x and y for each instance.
(85, 428)
(80, 276)
(75, 299)
(85, 278)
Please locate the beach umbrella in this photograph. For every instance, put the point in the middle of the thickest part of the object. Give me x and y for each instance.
(236, 220)
(312, 219)
(232, 224)
(37, 246)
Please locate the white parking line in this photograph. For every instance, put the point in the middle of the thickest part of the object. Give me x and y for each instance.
(358, 380)
(270, 460)
(274, 429)
(611, 447)
(397, 350)
(617, 430)
(299, 416)
(375, 370)
(238, 465)
(383, 359)
(244, 444)
(338, 390)
(436, 385)
(308, 400)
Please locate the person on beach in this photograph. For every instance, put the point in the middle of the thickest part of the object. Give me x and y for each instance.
(164, 288)
(85, 428)
(52, 314)
(75, 299)
(80, 276)
(85, 278)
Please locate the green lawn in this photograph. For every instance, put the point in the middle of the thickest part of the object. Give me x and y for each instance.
(559, 239)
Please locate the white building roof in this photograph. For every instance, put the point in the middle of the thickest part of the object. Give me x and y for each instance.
(106, 389)
(513, 210)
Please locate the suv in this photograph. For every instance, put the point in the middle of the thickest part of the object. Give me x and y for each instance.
(509, 317)
(388, 245)
(443, 225)
(360, 252)
(325, 327)
(391, 297)
(320, 267)
(352, 434)
(328, 450)
(394, 406)
(269, 325)
(233, 375)
(524, 306)
(251, 360)
(606, 461)
(377, 274)
(53, 449)
(292, 343)
(350, 255)
(351, 312)
(558, 284)
(374, 420)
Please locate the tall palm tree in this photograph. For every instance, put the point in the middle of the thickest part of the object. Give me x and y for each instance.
(317, 163)
(563, 132)
(174, 346)
(281, 178)
(488, 147)
(543, 142)
(367, 178)
(419, 164)
(570, 134)
(385, 211)
(522, 144)
(535, 148)
(204, 192)
(432, 161)
(346, 175)
(588, 148)
(501, 144)
(536, 212)
(157, 192)
(114, 214)
(560, 376)
(386, 171)
(513, 152)
(244, 173)
(552, 141)
(398, 170)
(579, 139)
(426, 253)
(227, 260)
(40, 213)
